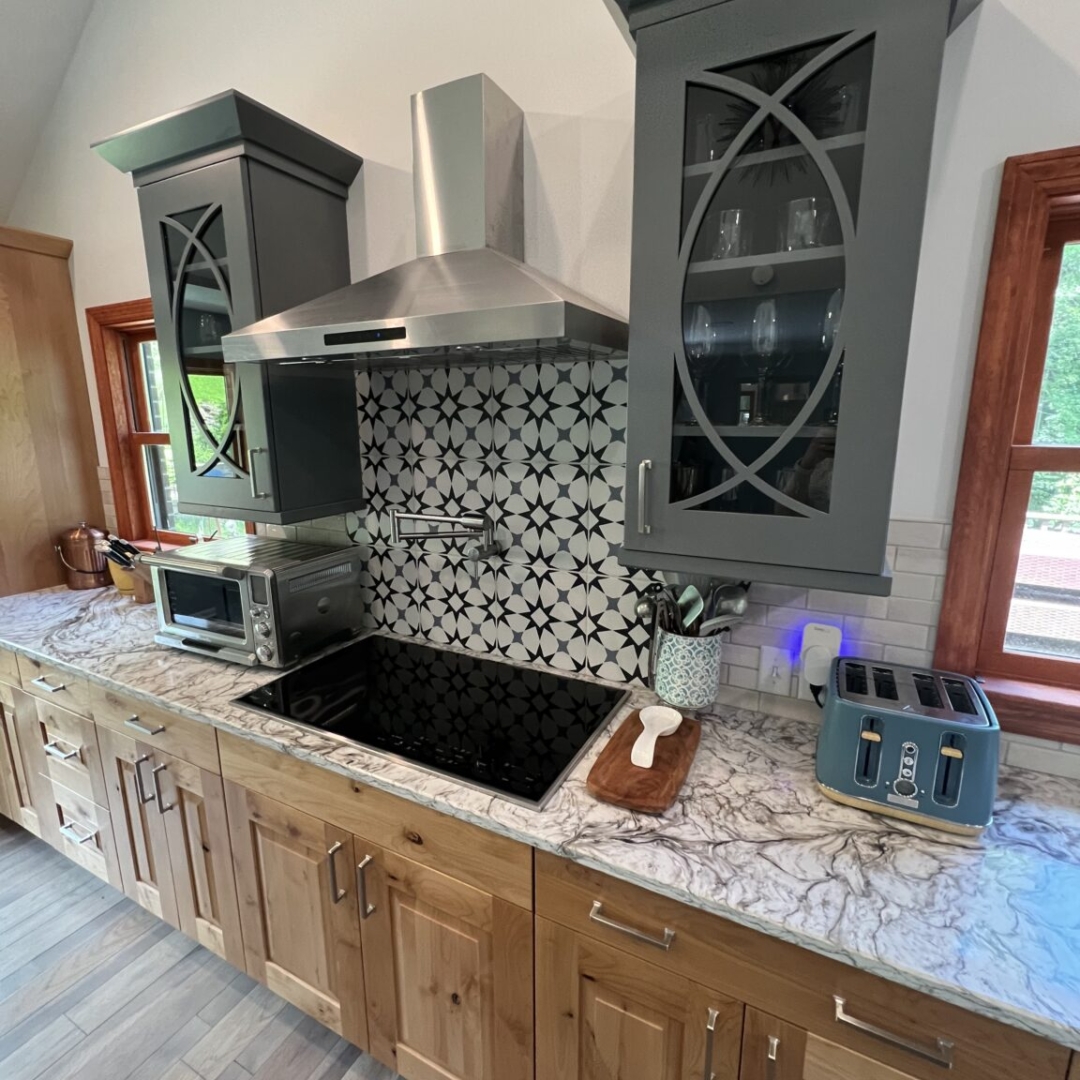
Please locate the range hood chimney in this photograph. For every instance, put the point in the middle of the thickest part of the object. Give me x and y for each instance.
(468, 296)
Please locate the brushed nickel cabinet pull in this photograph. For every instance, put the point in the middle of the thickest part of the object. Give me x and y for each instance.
(336, 894)
(162, 805)
(140, 787)
(366, 909)
(941, 1054)
(255, 492)
(597, 915)
(52, 748)
(42, 683)
(772, 1058)
(69, 832)
(643, 525)
(710, 1040)
(142, 729)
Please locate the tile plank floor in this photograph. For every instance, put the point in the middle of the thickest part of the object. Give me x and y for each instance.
(94, 988)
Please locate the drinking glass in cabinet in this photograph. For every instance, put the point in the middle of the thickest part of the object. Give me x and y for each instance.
(732, 233)
(808, 224)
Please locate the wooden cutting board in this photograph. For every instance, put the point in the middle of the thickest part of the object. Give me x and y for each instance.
(614, 779)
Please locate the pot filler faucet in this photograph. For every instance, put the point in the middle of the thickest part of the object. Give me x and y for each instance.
(476, 527)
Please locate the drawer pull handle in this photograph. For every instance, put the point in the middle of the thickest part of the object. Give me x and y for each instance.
(336, 894)
(162, 805)
(597, 915)
(142, 729)
(643, 525)
(366, 909)
(140, 787)
(42, 683)
(52, 748)
(772, 1057)
(70, 832)
(941, 1054)
(710, 1040)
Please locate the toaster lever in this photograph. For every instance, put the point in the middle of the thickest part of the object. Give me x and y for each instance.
(953, 752)
(871, 736)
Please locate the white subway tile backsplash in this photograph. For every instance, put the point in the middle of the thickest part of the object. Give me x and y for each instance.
(914, 586)
(921, 534)
(841, 603)
(797, 618)
(897, 654)
(751, 634)
(915, 560)
(886, 633)
(865, 650)
(745, 678)
(919, 612)
(742, 655)
(778, 595)
(736, 698)
(1045, 759)
(791, 707)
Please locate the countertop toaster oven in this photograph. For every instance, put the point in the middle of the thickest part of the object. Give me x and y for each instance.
(909, 742)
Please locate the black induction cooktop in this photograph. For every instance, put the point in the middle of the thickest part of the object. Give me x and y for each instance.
(511, 730)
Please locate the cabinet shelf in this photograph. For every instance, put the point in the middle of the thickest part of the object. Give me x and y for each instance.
(749, 431)
(772, 258)
(199, 351)
(780, 153)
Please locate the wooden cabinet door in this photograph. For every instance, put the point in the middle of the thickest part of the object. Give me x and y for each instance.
(31, 792)
(298, 909)
(10, 796)
(449, 972)
(142, 845)
(774, 1050)
(601, 1013)
(192, 805)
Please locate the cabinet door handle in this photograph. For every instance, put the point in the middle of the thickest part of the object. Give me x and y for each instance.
(70, 832)
(140, 787)
(772, 1057)
(366, 909)
(597, 915)
(336, 894)
(42, 683)
(52, 748)
(710, 1041)
(255, 492)
(643, 470)
(941, 1054)
(142, 729)
(162, 805)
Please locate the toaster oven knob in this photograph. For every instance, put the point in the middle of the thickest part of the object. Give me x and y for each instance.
(262, 629)
(265, 653)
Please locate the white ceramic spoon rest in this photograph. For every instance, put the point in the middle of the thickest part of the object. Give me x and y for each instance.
(658, 721)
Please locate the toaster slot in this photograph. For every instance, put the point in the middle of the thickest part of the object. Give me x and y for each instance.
(868, 763)
(926, 688)
(855, 679)
(959, 696)
(950, 767)
(885, 684)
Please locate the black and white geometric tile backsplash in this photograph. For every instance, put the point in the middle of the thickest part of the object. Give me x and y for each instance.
(541, 448)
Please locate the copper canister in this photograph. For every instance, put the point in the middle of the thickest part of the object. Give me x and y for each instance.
(86, 568)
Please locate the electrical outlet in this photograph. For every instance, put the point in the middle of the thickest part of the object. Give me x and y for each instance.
(774, 674)
(820, 645)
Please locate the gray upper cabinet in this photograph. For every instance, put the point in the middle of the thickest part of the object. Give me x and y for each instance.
(781, 167)
(243, 215)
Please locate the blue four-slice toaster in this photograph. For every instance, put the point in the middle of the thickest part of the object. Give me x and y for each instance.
(909, 742)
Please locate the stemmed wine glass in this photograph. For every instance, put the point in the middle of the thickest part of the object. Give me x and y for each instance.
(765, 341)
(834, 315)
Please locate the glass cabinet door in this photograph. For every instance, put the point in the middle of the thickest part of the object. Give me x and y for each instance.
(198, 242)
(779, 198)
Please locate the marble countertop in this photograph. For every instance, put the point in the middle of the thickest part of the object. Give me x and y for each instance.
(991, 924)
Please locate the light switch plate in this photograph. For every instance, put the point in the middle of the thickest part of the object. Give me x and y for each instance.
(774, 672)
(817, 636)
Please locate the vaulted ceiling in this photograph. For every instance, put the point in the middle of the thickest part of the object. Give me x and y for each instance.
(37, 41)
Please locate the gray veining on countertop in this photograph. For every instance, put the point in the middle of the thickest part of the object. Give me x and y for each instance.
(991, 924)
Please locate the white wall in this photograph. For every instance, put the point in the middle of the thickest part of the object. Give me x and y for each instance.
(347, 68)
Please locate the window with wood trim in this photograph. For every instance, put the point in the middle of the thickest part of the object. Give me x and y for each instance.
(131, 393)
(1011, 610)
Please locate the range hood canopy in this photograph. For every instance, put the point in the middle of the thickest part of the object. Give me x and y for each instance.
(468, 296)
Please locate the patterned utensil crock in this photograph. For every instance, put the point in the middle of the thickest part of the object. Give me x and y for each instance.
(687, 672)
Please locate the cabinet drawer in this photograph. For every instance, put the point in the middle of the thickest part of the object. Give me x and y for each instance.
(465, 852)
(188, 739)
(69, 751)
(82, 831)
(59, 687)
(9, 667)
(788, 982)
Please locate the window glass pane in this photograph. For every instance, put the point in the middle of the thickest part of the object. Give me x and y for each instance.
(1058, 419)
(1044, 618)
(155, 385)
(161, 485)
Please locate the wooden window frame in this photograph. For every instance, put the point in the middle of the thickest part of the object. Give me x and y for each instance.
(1039, 207)
(112, 329)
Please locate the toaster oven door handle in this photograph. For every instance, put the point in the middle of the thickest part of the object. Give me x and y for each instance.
(194, 565)
(941, 1054)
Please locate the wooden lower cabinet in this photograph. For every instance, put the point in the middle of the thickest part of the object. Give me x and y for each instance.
(297, 889)
(13, 794)
(449, 973)
(602, 1013)
(774, 1050)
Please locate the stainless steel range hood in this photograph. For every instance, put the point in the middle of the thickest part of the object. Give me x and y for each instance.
(468, 296)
